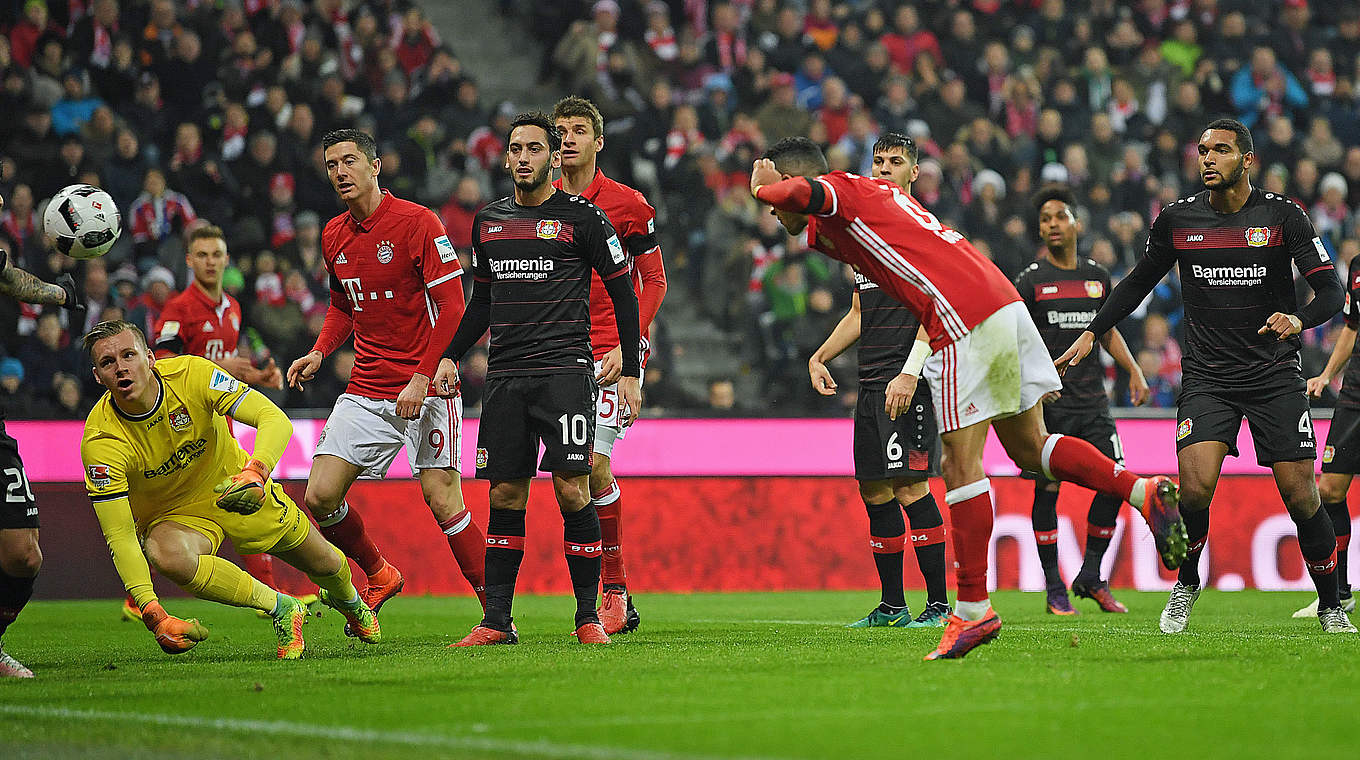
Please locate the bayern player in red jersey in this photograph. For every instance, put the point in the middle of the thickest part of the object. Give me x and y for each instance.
(989, 368)
(204, 320)
(395, 286)
(582, 129)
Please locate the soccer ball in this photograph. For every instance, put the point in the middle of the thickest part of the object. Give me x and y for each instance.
(82, 221)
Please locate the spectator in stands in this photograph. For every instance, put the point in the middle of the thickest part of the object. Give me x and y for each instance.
(49, 351)
(15, 394)
(1266, 88)
(23, 38)
(157, 218)
(158, 284)
(77, 104)
(19, 222)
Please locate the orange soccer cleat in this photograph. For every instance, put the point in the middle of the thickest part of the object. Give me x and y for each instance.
(383, 585)
(963, 636)
(484, 636)
(616, 611)
(591, 633)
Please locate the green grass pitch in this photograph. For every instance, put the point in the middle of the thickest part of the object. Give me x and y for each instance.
(771, 675)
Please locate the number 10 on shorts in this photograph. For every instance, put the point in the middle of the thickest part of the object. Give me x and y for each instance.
(575, 429)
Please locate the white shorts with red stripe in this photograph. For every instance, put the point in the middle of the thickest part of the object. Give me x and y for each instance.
(608, 412)
(999, 369)
(368, 433)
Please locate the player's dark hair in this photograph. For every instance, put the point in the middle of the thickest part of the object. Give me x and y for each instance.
(575, 106)
(1061, 193)
(108, 330)
(207, 232)
(798, 157)
(898, 141)
(361, 139)
(1244, 143)
(541, 120)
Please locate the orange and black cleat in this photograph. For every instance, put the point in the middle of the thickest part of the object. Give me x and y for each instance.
(963, 636)
(484, 636)
(591, 633)
(1099, 592)
(1058, 603)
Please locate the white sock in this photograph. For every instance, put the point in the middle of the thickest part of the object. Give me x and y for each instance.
(972, 610)
(1139, 493)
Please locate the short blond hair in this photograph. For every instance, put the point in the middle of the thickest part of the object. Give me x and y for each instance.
(108, 330)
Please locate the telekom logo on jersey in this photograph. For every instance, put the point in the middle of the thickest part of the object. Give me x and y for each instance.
(355, 290)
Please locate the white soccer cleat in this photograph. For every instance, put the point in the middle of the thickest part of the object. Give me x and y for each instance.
(1177, 613)
(1309, 611)
(1334, 620)
(1347, 606)
(12, 668)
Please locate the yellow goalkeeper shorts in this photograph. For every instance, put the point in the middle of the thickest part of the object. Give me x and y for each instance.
(278, 526)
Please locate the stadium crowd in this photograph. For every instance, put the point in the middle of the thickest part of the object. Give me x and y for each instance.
(213, 111)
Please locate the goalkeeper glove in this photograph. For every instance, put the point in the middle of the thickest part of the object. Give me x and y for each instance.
(174, 635)
(74, 303)
(244, 492)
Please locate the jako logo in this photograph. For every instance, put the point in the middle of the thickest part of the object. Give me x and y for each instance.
(1194, 238)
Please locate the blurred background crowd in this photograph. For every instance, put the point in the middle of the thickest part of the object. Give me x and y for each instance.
(213, 110)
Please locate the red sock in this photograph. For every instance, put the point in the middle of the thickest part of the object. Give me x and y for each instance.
(608, 504)
(468, 544)
(970, 516)
(347, 533)
(1076, 461)
(262, 567)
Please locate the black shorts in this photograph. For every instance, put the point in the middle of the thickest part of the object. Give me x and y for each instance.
(18, 509)
(520, 411)
(1095, 426)
(908, 447)
(1342, 453)
(1281, 427)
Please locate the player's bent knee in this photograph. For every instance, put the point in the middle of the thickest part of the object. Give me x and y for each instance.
(875, 491)
(23, 563)
(171, 561)
(1331, 491)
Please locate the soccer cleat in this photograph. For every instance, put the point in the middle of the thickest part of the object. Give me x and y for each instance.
(289, 616)
(1311, 610)
(963, 636)
(1058, 604)
(877, 618)
(12, 668)
(1161, 509)
(935, 615)
(1177, 613)
(131, 612)
(1334, 620)
(381, 587)
(1098, 591)
(484, 636)
(616, 611)
(358, 618)
(591, 633)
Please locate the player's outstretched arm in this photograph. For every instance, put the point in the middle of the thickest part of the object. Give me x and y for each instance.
(120, 533)
(842, 336)
(1328, 297)
(1114, 343)
(244, 492)
(335, 330)
(476, 319)
(1341, 353)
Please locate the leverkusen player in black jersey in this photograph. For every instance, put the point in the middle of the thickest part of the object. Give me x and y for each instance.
(532, 254)
(897, 443)
(1063, 293)
(1341, 455)
(1234, 244)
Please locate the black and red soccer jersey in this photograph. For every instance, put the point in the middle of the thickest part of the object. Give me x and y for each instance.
(886, 331)
(1350, 382)
(1062, 303)
(191, 323)
(538, 261)
(1235, 272)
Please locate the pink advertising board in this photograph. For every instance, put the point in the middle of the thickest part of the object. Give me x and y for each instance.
(662, 447)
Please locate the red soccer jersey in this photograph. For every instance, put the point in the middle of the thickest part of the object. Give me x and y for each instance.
(635, 222)
(381, 270)
(931, 269)
(192, 324)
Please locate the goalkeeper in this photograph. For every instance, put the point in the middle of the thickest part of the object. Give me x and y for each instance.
(162, 467)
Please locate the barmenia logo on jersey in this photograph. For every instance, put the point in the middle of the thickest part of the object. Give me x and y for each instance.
(385, 251)
(1248, 275)
(548, 228)
(521, 269)
(1258, 236)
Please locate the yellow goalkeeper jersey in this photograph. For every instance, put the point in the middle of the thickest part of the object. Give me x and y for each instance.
(169, 459)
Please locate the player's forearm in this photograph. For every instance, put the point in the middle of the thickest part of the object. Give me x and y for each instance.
(1115, 344)
(448, 301)
(1328, 298)
(626, 320)
(25, 287)
(653, 287)
(476, 319)
(1127, 295)
(798, 194)
(273, 429)
(842, 336)
(120, 533)
(335, 330)
(1341, 353)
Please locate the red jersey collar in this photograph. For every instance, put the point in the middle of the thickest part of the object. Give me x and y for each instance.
(372, 220)
(592, 190)
(202, 295)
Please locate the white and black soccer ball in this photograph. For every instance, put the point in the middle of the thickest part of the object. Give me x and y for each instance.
(82, 221)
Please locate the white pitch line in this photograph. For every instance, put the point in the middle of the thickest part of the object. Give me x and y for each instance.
(541, 748)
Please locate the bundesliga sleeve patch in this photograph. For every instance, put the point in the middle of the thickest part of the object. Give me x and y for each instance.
(98, 475)
(615, 249)
(171, 329)
(1322, 251)
(221, 381)
(651, 225)
(445, 248)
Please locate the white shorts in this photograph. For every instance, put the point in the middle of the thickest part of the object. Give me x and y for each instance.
(999, 369)
(607, 414)
(368, 433)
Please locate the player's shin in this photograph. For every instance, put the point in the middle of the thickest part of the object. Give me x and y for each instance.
(609, 506)
(927, 539)
(339, 585)
(1341, 525)
(218, 580)
(345, 529)
(970, 512)
(1197, 531)
(504, 552)
(1100, 525)
(1044, 515)
(468, 544)
(1073, 460)
(581, 543)
(887, 535)
(14, 594)
(1317, 543)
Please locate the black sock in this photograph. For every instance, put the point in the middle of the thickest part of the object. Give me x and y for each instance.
(927, 538)
(1317, 542)
(887, 534)
(581, 542)
(14, 594)
(1197, 531)
(1100, 524)
(504, 551)
(1341, 525)
(1045, 517)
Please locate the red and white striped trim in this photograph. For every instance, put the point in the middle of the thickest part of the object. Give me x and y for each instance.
(878, 247)
(831, 193)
